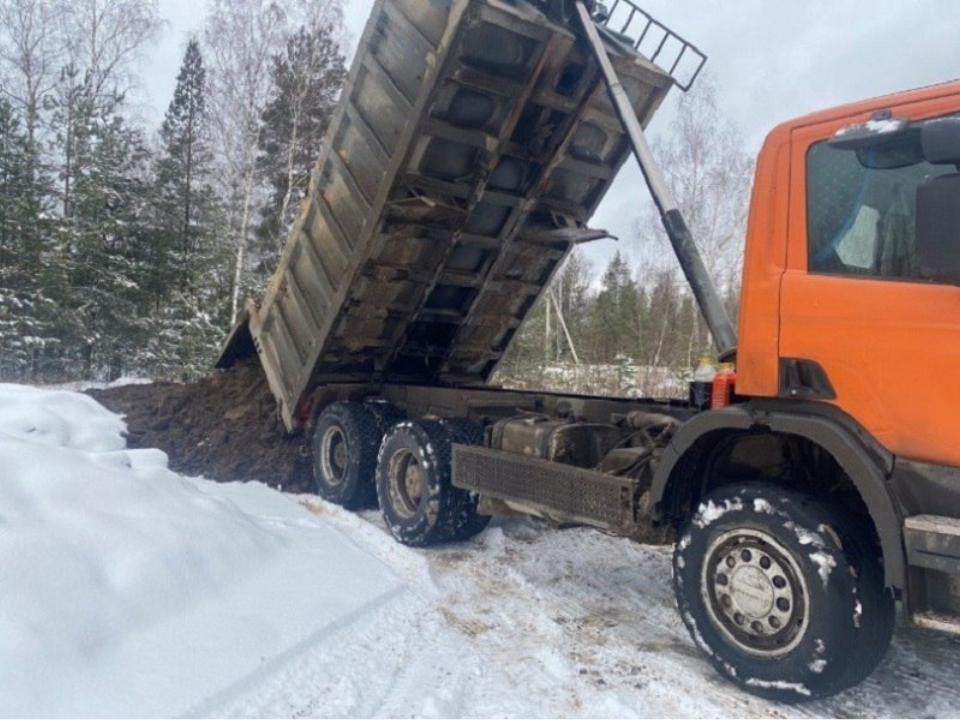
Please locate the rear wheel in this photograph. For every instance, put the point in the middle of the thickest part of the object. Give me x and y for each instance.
(387, 414)
(469, 522)
(346, 437)
(420, 505)
(785, 597)
(464, 430)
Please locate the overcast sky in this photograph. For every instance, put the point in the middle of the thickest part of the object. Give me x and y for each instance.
(772, 60)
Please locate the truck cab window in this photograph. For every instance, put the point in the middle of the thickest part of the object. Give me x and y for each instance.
(861, 220)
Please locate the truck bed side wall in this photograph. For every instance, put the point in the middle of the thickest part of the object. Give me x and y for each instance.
(473, 142)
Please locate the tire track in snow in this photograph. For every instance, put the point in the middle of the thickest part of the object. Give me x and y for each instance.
(428, 684)
(209, 706)
(415, 660)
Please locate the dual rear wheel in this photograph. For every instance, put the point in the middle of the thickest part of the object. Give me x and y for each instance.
(367, 454)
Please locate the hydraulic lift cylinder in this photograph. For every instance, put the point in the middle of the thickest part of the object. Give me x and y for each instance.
(691, 262)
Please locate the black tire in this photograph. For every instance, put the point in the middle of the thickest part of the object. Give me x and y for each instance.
(387, 414)
(785, 597)
(469, 522)
(346, 437)
(420, 506)
(464, 430)
(877, 607)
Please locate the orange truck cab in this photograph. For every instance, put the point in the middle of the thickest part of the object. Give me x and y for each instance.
(848, 370)
(831, 277)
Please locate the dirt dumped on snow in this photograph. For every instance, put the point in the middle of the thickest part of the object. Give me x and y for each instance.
(224, 427)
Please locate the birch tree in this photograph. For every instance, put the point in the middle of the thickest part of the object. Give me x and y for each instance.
(240, 38)
(106, 40)
(31, 56)
(307, 78)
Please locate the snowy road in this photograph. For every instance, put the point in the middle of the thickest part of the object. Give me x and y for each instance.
(529, 621)
(131, 591)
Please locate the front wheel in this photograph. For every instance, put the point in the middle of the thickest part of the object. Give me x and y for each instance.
(784, 596)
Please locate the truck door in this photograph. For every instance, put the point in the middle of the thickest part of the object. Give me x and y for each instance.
(853, 302)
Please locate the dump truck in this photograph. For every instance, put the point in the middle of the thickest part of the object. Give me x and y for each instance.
(472, 144)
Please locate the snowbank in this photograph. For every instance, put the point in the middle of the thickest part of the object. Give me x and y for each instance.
(112, 564)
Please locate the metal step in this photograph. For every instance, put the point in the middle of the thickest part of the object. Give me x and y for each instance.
(562, 493)
(933, 542)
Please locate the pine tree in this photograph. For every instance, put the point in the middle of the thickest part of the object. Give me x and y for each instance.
(72, 187)
(109, 201)
(180, 174)
(182, 335)
(20, 327)
(186, 149)
(92, 267)
(616, 313)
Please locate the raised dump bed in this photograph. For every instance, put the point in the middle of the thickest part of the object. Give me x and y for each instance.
(474, 141)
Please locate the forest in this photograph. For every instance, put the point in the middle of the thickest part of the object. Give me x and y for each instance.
(126, 249)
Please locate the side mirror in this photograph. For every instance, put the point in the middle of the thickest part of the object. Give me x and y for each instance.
(941, 141)
(881, 128)
(938, 228)
(884, 142)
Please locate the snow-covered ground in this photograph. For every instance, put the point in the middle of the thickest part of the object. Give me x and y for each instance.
(130, 590)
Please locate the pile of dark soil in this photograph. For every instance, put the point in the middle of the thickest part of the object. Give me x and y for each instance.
(224, 427)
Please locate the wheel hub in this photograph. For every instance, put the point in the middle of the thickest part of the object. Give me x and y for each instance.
(414, 481)
(340, 454)
(755, 593)
(752, 591)
(406, 483)
(334, 455)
